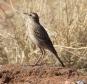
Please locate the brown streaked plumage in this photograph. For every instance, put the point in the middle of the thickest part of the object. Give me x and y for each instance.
(38, 34)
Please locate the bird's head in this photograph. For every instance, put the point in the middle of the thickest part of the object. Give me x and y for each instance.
(32, 16)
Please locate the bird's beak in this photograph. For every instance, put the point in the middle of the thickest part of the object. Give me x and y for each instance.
(27, 14)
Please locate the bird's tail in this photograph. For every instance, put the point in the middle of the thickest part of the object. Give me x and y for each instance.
(55, 53)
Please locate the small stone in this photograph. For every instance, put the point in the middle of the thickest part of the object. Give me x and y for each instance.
(80, 82)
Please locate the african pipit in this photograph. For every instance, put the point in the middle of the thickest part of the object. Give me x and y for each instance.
(38, 34)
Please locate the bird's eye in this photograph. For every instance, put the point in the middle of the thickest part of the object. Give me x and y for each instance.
(30, 15)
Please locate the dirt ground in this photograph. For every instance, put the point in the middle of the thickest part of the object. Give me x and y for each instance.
(26, 74)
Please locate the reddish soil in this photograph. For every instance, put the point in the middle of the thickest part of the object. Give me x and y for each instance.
(26, 74)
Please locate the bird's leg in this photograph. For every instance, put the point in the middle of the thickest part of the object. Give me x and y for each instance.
(41, 56)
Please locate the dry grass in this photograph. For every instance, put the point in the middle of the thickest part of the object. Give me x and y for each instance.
(64, 20)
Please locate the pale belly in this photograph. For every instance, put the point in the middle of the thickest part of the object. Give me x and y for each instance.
(33, 39)
(31, 35)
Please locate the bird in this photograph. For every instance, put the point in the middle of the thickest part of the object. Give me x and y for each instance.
(39, 35)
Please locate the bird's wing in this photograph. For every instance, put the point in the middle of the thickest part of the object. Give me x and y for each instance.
(42, 35)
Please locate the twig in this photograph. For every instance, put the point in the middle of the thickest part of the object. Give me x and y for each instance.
(12, 6)
(70, 47)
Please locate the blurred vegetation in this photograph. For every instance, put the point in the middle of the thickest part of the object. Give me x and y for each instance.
(65, 22)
